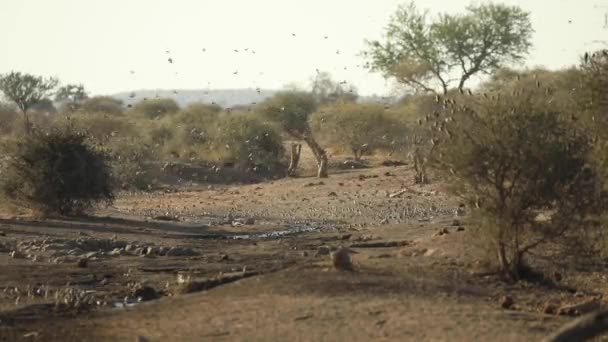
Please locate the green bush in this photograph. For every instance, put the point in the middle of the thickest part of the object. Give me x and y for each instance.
(57, 172)
(249, 143)
(156, 108)
(102, 128)
(527, 172)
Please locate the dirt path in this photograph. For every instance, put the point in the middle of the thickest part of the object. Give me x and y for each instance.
(419, 287)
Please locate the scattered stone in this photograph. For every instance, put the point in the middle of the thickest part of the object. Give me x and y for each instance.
(580, 309)
(332, 194)
(180, 251)
(354, 164)
(16, 255)
(506, 302)
(323, 250)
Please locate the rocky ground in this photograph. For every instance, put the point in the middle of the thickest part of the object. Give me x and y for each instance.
(253, 262)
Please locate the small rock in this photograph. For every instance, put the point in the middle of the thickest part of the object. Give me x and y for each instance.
(304, 253)
(323, 250)
(138, 251)
(384, 221)
(83, 262)
(549, 309)
(557, 276)
(460, 229)
(129, 247)
(224, 257)
(145, 293)
(332, 194)
(506, 302)
(2, 233)
(442, 232)
(250, 221)
(456, 223)
(341, 259)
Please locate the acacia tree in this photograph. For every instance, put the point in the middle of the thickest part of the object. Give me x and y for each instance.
(291, 109)
(26, 90)
(72, 96)
(326, 90)
(426, 54)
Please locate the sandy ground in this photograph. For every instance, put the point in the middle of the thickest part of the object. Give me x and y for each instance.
(269, 238)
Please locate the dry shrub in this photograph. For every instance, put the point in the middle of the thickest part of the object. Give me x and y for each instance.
(129, 159)
(525, 168)
(57, 172)
(358, 128)
(156, 108)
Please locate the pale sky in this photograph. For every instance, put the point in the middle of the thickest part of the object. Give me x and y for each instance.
(98, 43)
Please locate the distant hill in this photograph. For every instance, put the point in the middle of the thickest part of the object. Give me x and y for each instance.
(224, 97)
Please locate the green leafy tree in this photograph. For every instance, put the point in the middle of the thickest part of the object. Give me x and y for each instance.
(360, 128)
(425, 55)
(71, 96)
(291, 110)
(26, 90)
(156, 108)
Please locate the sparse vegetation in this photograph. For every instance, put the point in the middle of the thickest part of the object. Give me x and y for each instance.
(26, 90)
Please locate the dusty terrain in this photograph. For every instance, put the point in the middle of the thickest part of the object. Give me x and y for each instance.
(252, 266)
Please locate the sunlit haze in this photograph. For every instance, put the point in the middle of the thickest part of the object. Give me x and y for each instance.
(112, 46)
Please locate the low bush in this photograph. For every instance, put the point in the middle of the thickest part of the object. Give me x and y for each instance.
(526, 171)
(57, 172)
(249, 143)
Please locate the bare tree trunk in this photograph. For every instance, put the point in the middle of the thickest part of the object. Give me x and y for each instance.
(320, 156)
(27, 124)
(582, 329)
(294, 160)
